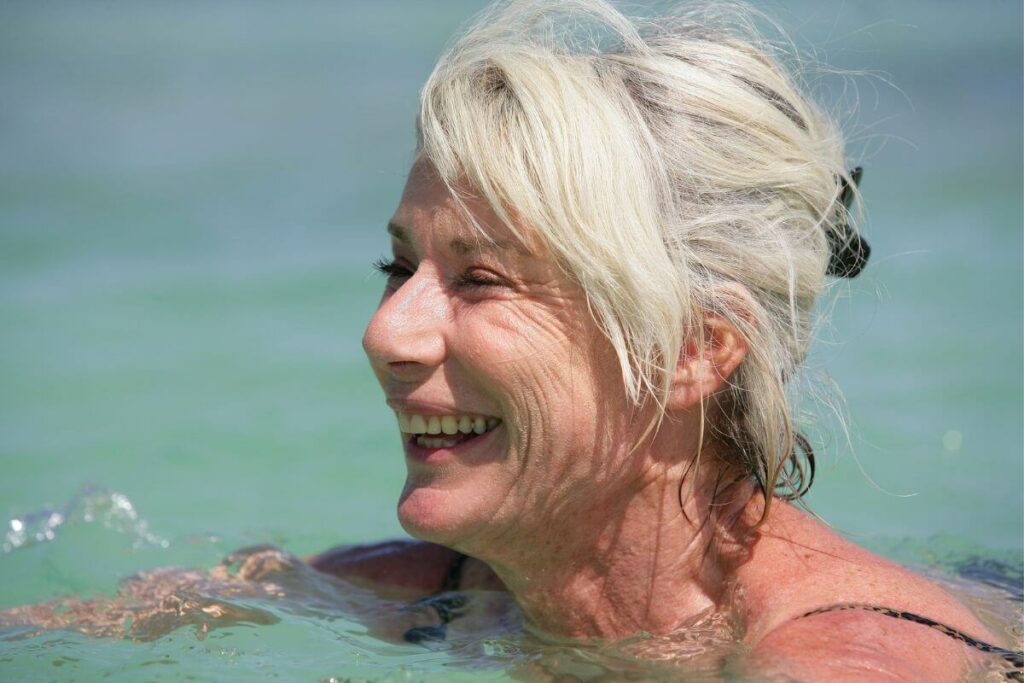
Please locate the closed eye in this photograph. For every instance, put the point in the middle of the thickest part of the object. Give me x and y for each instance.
(392, 269)
(478, 278)
(473, 278)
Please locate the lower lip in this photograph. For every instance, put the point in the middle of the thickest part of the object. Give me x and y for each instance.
(435, 456)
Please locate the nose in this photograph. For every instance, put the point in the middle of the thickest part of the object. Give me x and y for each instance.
(405, 339)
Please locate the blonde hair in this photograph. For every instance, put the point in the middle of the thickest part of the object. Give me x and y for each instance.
(673, 168)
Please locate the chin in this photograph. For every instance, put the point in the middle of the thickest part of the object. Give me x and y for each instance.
(431, 514)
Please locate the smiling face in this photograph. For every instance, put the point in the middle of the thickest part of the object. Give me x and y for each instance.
(509, 399)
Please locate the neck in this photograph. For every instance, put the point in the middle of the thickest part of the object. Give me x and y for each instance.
(643, 565)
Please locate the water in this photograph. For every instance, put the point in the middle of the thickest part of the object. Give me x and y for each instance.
(260, 612)
(190, 197)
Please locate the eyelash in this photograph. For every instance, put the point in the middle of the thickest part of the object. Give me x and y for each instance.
(394, 271)
(390, 268)
(470, 280)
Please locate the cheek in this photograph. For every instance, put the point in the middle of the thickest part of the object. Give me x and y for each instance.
(528, 355)
(554, 373)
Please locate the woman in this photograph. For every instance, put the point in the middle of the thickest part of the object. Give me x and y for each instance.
(606, 260)
(605, 265)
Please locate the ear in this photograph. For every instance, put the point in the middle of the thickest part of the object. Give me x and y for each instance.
(706, 362)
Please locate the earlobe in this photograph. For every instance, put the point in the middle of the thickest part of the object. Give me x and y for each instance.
(706, 362)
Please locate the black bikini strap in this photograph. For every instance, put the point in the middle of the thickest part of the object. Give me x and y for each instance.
(1015, 657)
(448, 607)
(454, 576)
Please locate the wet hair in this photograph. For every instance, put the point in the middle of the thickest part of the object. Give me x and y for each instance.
(674, 168)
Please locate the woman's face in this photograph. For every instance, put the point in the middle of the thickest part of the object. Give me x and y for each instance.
(491, 347)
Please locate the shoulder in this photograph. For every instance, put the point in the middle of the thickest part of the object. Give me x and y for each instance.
(859, 645)
(402, 564)
(798, 565)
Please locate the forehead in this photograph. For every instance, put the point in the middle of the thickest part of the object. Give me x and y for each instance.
(428, 211)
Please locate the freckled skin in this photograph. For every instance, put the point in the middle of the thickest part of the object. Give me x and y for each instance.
(512, 350)
(568, 508)
(576, 512)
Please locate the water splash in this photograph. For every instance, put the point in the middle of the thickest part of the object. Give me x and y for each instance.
(91, 505)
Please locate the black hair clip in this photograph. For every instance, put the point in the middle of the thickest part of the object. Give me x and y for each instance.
(850, 251)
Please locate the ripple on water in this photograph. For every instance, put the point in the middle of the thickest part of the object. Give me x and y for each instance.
(91, 505)
(263, 611)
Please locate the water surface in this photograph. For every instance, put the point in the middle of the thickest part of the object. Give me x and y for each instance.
(190, 197)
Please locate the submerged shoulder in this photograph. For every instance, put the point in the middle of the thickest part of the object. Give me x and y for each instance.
(798, 565)
(859, 645)
(403, 564)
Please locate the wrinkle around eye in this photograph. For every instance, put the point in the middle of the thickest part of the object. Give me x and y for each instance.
(544, 303)
(476, 277)
(482, 284)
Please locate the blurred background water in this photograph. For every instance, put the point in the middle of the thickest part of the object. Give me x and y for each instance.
(190, 198)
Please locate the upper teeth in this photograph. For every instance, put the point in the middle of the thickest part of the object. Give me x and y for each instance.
(445, 424)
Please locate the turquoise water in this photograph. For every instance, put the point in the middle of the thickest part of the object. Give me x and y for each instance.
(190, 197)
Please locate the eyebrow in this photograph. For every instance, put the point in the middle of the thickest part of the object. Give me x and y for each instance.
(462, 246)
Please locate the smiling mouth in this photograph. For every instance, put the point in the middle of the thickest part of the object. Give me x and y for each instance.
(444, 431)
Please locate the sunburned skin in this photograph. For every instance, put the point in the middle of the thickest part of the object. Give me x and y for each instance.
(573, 507)
(782, 579)
(524, 454)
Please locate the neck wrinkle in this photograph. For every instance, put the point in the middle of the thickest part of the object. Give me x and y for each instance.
(641, 566)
